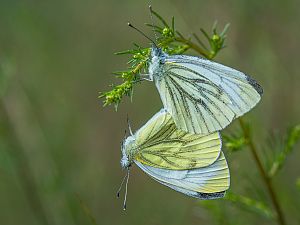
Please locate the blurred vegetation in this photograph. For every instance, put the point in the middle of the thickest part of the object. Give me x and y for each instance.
(59, 150)
(172, 41)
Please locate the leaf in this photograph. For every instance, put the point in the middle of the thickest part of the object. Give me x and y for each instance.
(234, 142)
(157, 28)
(159, 17)
(205, 34)
(199, 41)
(131, 51)
(223, 33)
(173, 24)
(250, 204)
(292, 138)
(214, 27)
(179, 34)
(273, 144)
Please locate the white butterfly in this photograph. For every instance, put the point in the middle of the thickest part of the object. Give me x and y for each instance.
(202, 96)
(189, 163)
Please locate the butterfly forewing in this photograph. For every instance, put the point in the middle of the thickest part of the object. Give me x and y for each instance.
(162, 145)
(203, 96)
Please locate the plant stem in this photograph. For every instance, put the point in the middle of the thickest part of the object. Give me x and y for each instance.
(193, 46)
(250, 143)
(138, 67)
(263, 173)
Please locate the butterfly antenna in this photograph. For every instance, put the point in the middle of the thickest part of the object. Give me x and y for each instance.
(152, 22)
(125, 134)
(120, 188)
(129, 126)
(142, 33)
(126, 190)
(124, 139)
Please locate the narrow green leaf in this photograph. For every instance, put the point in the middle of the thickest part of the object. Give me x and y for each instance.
(214, 27)
(292, 138)
(119, 72)
(205, 34)
(131, 51)
(173, 24)
(250, 204)
(199, 41)
(179, 34)
(223, 33)
(137, 45)
(154, 26)
(159, 17)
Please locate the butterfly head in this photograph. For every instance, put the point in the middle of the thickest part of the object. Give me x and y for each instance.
(158, 57)
(158, 53)
(128, 147)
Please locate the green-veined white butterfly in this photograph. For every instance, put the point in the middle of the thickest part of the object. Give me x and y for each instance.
(189, 163)
(201, 95)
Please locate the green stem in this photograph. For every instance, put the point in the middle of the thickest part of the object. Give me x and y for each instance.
(250, 143)
(194, 47)
(263, 173)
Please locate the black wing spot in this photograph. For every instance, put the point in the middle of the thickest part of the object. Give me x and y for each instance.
(255, 85)
(215, 195)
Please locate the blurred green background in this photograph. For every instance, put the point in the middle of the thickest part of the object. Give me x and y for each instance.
(60, 149)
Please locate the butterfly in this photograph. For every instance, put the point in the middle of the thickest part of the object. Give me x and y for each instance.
(192, 164)
(202, 96)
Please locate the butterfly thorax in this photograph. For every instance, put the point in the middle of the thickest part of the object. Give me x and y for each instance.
(129, 150)
(158, 58)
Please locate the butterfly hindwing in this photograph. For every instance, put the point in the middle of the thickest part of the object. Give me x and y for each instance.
(208, 182)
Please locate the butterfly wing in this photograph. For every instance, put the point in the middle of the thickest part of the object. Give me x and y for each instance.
(206, 183)
(161, 144)
(195, 194)
(204, 96)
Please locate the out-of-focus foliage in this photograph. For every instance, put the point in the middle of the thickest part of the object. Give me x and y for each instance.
(6, 70)
(60, 150)
(233, 143)
(298, 183)
(293, 136)
(250, 204)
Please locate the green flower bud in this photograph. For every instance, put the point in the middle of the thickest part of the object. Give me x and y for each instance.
(166, 32)
(216, 38)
